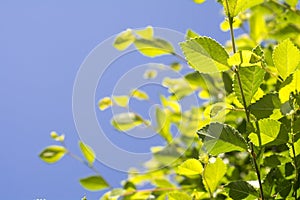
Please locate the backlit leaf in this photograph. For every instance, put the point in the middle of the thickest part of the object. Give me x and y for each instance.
(126, 121)
(237, 6)
(163, 124)
(88, 153)
(150, 74)
(205, 55)
(104, 103)
(244, 58)
(52, 154)
(178, 196)
(121, 100)
(199, 1)
(291, 84)
(146, 33)
(153, 47)
(286, 57)
(190, 167)
(93, 183)
(139, 94)
(221, 138)
(124, 40)
(56, 137)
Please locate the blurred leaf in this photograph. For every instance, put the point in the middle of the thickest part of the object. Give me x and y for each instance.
(93, 183)
(237, 6)
(87, 152)
(178, 196)
(124, 40)
(258, 27)
(240, 190)
(190, 34)
(176, 66)
(251, 78)
(163, 125)
(126, 121)
(205, 55)
(172, 104)
(56, 137)
(139, 94)
(179, 87)
(221, 138)
(121, 100)
(146, 33)
(291, 84)
(104, 103)
(286, 57)
(236, 24)
(199, 1)
(213, 173)
(153, 47)
(150, 74)
(190, 167)
(163, 183)
(52, 154)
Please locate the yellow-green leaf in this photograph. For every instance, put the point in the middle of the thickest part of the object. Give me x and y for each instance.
(291, 84)
(176, 66)
(150, 74)
(190, 167)
(121, 100)
(104, 103)
(139, 94)
(213, 173)
(237, 6)
(286, 57)
(163, 124)
(87, 152)
(244, 58)
(199, 1)
(93, 183)
(52, 154)
(56, 137)
(224, 26)
(126, 121)
(124, 40)
(178, 196)
(153, 47)
(190, 34)
(146, 33)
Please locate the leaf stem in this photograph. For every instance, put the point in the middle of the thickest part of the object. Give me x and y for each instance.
(230, 20)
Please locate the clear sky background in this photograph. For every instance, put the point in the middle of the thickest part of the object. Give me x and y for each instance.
(42, 45)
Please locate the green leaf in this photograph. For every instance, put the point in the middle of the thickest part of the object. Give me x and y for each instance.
(166, 155)
(172, 104)
(121, 100)
(52, 154)
(93, 183)
(176, 66)
(237, 6)
(56, 137)
(213, 173)
(190, 34)
(297, 148)
(178, 196)
(88, 153)
(268, 130)
(163, 183)
(179, 87)
(244, 58)
(146, 33)
(221, 138)
(163, 125)
(265, 106)
(292, 3)
(240, 190)
(251, 78)
(153, 47)
(126, 121)
(139, 94)
(258, 27)
(190, 167)
(199, 1)
(286, 57)
(104, 103)
(124, 40)
(205, 55)
(291, 84)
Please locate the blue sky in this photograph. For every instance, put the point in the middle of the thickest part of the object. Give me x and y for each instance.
(42, 46)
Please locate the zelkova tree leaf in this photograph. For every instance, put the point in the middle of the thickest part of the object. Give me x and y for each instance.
(199, 1)
(205, 55)
(178, 196)
(105, 103)
(291, 84)
(163, 124)
(269, 131)
(213, 173)
(94, 183)
(146, 33)
(126, 121)
(87, 152)
(237, 6)
(121, 100)
(286, 58)
(153, 47)
(240, 190)
(52, 154)
(190, 34)
(190, 167)
(124, 40)
(251, 79)
(221, 138)
(244, 58)
(139, 94)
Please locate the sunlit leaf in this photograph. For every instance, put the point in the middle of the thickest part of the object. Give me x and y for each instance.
(105, 103)
(286, 57)
(124, 40)
(172, 104)
(146, 33)
(178, 196)
(153, 47)
(205, 55)
(190, 167)
(139, 94)
(213, 173)
(244, 58)
(150, 74)
(224, 26)
(221, 138)
(56, 137)
(52, 154)
(94, 183)
(199, 1)
(179, 87)
(163, 124)
(176, 66)
(291, 84)
(88, 153)
(121, 100)
(163, 183)
(126, 121)
(237, 6)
